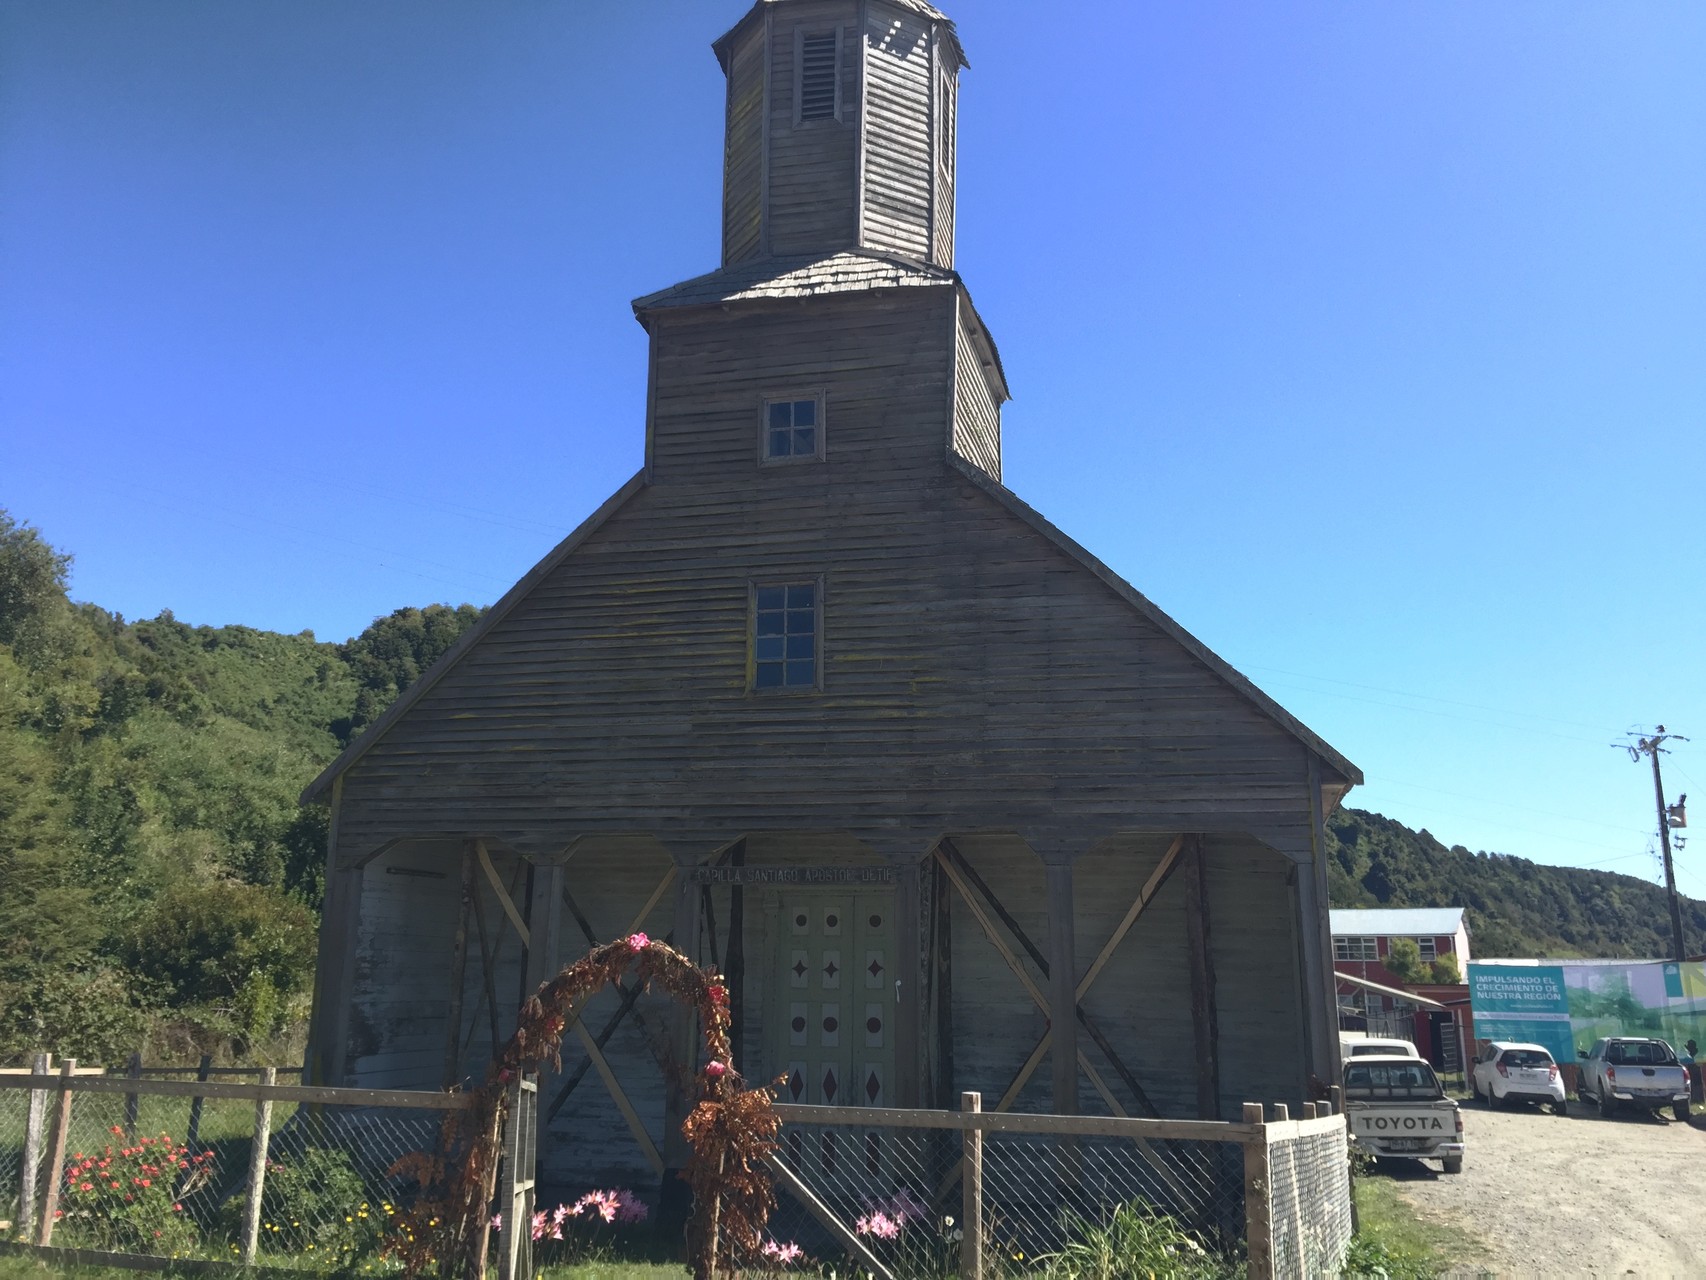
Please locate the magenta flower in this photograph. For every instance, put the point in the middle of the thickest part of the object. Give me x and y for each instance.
(878, 1224)
(638, 942)
(715, 1069)
(782, 1253)
(539, 1225)
(629, 1207)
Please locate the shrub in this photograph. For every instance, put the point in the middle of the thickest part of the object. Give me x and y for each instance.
(315, 1202)
(242, 948)
(1134, 1241)
(129, 1199)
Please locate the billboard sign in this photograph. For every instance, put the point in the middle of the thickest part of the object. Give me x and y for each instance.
(1566, 1007)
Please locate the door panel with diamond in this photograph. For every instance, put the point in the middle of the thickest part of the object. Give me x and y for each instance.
(834, 997)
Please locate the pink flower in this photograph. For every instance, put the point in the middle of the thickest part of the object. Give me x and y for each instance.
(539, 1225)
(629, 1207)
(638, 942)
(878, 1224)
(497, 1222)
(715, 1069)
(719, 995)
(602, 1203)
(782, 1253)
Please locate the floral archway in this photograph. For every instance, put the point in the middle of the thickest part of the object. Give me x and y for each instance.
(731, 1129)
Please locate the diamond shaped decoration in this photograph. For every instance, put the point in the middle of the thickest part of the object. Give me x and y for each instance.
(875, 967)
(873, 1087)
(799, 968)
(830, 1084)
(830, 970)
(796, 1085)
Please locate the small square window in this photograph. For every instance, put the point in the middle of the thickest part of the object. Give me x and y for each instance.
(785, 636)
(792, 430)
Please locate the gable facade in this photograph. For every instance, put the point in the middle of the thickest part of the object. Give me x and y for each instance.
(1003, 753)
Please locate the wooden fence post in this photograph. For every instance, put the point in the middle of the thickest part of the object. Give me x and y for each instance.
(193, 1136)
(515, 1251)
(971, 1199)
(56, 1153)
(1258, 1225)
(133, 1070)
(257, 1171)
(34, 1125)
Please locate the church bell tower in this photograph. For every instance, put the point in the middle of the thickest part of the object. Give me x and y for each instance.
(840, 130)
(836, 344)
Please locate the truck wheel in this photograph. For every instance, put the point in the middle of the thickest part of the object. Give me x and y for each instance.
(1607, 1105)
(1562, 1108)
(1453, 1164)
(1680, 1111)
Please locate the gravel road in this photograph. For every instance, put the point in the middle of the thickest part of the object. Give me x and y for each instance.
(1571, 1197)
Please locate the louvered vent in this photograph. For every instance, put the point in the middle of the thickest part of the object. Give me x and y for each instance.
(817, 77)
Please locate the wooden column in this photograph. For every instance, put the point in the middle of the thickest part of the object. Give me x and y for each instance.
(254, 1187)
(734, 962)
(340, 937)
(1062, 988)
(459, 971)
(1320, 997)
(544, 927)
(971, 1192)
(909, 989)
(1205, 1020)
(675, 1199)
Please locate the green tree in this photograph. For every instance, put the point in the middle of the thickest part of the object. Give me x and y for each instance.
(1403, 961)
(1445, 970)
(32, 588)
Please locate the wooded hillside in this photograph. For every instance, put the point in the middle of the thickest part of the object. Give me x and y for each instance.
(1517, 908)
(157, 873)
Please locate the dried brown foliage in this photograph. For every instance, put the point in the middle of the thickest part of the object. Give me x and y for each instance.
(730, 1131)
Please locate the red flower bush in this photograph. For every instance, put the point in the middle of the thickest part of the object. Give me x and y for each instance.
(130, 1198)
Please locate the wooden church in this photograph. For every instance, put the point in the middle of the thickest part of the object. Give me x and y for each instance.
(818, 698)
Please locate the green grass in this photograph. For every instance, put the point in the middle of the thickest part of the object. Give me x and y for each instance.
(616, 1271)
(1392, 1239)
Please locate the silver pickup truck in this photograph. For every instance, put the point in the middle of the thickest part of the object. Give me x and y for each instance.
(1632, 1071)
(1395, 1107)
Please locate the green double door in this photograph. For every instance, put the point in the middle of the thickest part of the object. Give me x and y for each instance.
(830, 1005)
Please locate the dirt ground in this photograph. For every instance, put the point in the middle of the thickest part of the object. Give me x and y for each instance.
(1571, 1197)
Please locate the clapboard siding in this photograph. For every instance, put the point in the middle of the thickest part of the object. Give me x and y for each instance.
(400, 1001)
(974, 673)
(946, 106)
(1258, 988)
(743, 150)
(880, 360)
(589, 1143)
(897, 169)
(811, 172)
(995, 1022)
(977, 417)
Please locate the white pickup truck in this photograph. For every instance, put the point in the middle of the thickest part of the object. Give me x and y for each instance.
(1633, 1071)
(1395, 1107)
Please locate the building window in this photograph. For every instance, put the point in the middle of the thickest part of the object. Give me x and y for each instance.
(1427, 948)
(785, 635)
(792, 430)
(817, 77)
(1355, 949)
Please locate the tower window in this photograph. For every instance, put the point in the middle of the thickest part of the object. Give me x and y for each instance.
(785, 635)
(817, 77)
(792, 430)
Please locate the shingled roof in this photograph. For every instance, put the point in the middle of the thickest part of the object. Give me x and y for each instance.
(794, 277)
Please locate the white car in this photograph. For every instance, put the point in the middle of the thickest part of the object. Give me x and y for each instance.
(1505, 1072)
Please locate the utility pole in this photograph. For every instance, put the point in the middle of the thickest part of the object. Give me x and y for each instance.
(1675, 816)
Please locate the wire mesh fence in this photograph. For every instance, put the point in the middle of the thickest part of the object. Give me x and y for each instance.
(1310, 1206)
(124, 1167)
(895, 1194)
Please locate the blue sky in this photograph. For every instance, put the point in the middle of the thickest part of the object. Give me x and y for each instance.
(1368, 340)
